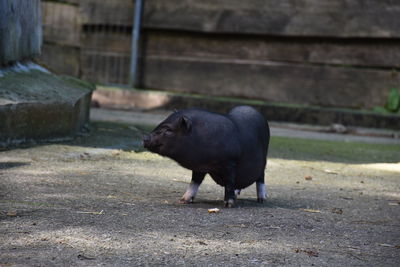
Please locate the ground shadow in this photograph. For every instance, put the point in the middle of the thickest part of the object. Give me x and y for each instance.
(11, 164)
(270, 203)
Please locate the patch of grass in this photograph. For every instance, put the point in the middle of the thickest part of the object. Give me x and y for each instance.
(127, 137)
(347, 152)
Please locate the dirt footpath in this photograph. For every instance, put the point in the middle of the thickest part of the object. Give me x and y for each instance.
(103, 201)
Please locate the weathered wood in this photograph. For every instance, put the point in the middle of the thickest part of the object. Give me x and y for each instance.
(20, 30)
(103, 67)
(115, 39)
(324, 18)
(312, 52)
(61, 59)
(340, 18)
(278, 82)
(108, 12)
(371, 53)
(71, 2)
(61, 23)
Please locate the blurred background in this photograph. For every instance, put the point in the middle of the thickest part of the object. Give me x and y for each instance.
(343, 54)
(331, 64)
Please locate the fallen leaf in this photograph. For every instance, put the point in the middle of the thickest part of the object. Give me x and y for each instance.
(311, 210)
(12, 213)
(202, 243)
(337, 210)
(331, 172)
(214, 210)
(394, 203)
(386, 245)
(308, 177)
(83, 257)
(311, 253)
(308, 252)
(248, 242)
(92, 212)
(347, 198)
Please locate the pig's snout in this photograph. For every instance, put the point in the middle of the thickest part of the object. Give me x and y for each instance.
(146, 140)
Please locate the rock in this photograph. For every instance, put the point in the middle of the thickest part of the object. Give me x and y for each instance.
(37, 106)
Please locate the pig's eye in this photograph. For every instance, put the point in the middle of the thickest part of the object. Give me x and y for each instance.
(168, 132)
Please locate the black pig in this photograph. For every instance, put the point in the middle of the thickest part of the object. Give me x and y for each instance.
(231, 148)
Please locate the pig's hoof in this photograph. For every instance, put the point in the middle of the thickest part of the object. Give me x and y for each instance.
(185, 201)
(230, 203)
(260, 200)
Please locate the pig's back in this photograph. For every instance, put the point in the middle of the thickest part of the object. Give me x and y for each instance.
(254, 138)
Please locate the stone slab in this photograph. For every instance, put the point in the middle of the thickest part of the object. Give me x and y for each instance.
(37, 106)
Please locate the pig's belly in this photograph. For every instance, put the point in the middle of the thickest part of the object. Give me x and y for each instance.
(250, 169)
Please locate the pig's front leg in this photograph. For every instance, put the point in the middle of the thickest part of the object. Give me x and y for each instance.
(230, 195)
(197, 179)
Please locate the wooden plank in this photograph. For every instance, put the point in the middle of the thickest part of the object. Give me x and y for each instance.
(71, 2)
(114, 39)
(276, 82)
(107, 12)
(61, 23)
(340, 18)
(107, 68)
(324, 18)
(367, 53)
(61, 59)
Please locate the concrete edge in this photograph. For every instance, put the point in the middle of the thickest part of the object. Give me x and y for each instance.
(118, 98)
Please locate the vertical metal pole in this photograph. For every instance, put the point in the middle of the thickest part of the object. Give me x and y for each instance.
(137, 17)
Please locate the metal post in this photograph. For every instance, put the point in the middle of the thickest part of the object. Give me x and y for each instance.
(137, 17)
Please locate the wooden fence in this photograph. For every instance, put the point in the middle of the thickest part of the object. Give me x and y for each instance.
(312, 52)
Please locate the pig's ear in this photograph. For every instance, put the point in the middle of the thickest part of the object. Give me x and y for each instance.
(185, 123)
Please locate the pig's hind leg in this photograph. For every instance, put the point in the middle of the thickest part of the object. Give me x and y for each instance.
(261, 189)
(197, 179)
(230, 195)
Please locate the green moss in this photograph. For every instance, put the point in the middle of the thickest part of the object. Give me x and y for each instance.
(348, 152)
(36, 85)
(79, 83)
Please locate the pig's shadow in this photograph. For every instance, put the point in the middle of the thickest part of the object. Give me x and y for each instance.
(270, 203)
